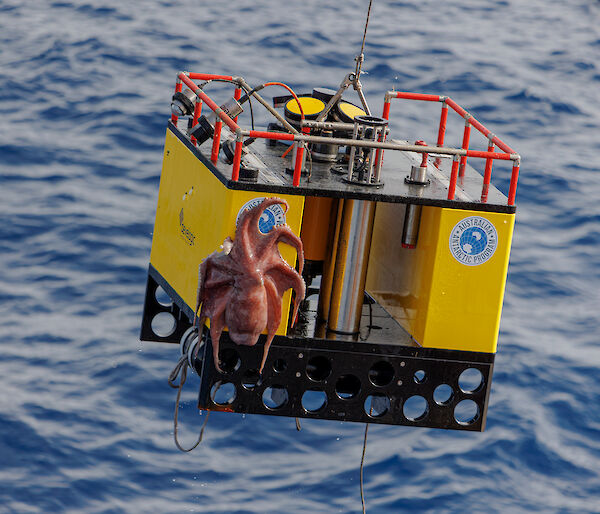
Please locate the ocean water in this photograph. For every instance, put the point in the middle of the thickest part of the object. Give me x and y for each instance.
(85, 410)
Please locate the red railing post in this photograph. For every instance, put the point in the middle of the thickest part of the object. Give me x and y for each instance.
(487, 175)
(441, 130)
(298, 164)
(178, 87)
(197, 112)
(237, 94)
(386, 116)
(512, 193)
(216, 142)
(453, 177)
(465, 145)
(299, 158)
(237, 157)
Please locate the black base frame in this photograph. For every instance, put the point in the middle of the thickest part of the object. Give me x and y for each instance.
(348, 381)
(361, 381)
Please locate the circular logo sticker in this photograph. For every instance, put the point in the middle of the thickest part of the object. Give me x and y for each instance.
(271, 217)
(473, 241)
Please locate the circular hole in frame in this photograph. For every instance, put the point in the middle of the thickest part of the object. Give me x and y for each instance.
(223, 393)
(313, 400)
(381, 373)
(377, 405)
(466, 412)
(347, 387)
(280, 365)
(318, 368)
(420, 376)
(230, 360)
(470, 380)
(250, 379)
(163, 324)
(162, 297)
(415, 408)
(275, 397)
(443, 394)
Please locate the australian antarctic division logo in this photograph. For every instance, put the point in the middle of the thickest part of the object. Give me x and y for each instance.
(271, 217)
(473, 241)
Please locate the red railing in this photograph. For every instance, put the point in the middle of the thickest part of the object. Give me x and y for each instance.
(459, 155)
(458, 165)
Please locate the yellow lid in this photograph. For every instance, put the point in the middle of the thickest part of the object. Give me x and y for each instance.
(350, 110)
(310, 105)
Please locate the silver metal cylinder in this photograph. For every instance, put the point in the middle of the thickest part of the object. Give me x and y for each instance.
(412, 221)
(418, 174)
(232, 108)
(325, 153)
(353, 236)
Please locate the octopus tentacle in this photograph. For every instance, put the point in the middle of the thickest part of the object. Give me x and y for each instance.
(274, 317)
(247, 231)
(285, 278)
(282, 234)
(215, 310)
(255, 213)
(213, 272)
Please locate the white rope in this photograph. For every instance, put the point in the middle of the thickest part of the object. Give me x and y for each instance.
(181, 369)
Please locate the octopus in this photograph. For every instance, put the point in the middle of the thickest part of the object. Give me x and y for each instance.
(242, 286)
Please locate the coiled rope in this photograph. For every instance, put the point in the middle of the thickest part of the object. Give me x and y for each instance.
(180, 370)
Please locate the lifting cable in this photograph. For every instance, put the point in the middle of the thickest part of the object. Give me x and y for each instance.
(361, 56)
(362, 464)
(359, 60)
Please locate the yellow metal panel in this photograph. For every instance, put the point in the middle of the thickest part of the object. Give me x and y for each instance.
(440, 301)
(195, 214)
(465, 300)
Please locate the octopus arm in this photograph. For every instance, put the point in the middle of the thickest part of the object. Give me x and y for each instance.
(284, 278)
(281, 234)
(214, 273)
(215, 310)
(245, 249)
(274, 316)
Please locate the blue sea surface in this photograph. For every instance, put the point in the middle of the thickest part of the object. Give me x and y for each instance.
(85, 409)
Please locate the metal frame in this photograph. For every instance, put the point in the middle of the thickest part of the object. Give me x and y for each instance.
(360, 381)
(460, 154)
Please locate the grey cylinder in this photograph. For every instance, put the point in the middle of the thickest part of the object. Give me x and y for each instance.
(410, 230)
(353, 237)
